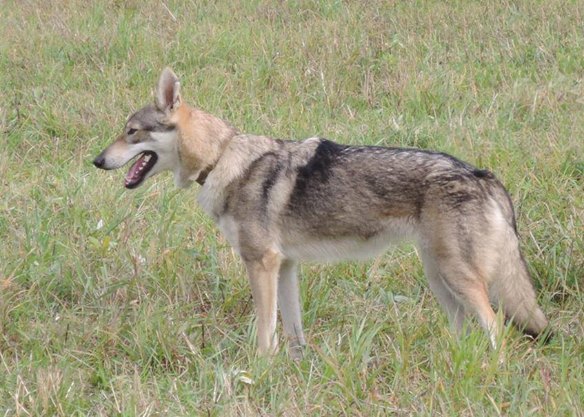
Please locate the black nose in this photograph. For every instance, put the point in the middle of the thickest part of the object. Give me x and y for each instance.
(99, 161)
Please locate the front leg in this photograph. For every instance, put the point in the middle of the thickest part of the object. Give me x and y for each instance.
(289, 302)
(263, 278)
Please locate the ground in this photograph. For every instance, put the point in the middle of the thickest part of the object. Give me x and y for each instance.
(130, 303)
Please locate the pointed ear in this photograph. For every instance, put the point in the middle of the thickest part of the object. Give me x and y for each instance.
(167, 91)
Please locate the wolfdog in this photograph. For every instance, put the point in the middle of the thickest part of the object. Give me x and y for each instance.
(279, 202)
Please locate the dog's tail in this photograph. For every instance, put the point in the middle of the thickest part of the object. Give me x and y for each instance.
(517, 298)
(512, 288)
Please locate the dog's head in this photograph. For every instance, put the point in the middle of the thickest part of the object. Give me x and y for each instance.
(151, 137)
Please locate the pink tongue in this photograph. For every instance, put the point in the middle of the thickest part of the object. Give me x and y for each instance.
(133, 173)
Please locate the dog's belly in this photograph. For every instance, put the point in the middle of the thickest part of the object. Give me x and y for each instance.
(346, 248)
(334, 250)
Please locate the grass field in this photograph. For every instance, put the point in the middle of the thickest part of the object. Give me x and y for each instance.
(130, 303)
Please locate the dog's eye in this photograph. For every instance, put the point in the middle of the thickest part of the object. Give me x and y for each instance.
(132, 131)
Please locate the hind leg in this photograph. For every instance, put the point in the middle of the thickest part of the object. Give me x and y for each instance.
(472, 293)
(460, 289)
(453, 308)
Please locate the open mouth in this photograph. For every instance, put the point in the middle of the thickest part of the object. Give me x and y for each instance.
(140, 169)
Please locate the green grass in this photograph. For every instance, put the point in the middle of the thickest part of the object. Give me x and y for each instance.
(150, 314)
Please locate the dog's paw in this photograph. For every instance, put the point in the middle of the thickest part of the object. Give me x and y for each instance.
(296, 351)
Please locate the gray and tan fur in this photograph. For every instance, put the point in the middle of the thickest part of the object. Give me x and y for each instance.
(281, 202)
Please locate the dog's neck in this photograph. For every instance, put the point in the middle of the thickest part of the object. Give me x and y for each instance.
(203, 139)
(224, 142)
(204, 174)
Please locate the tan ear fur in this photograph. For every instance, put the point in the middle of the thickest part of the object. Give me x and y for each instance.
(168, 91)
